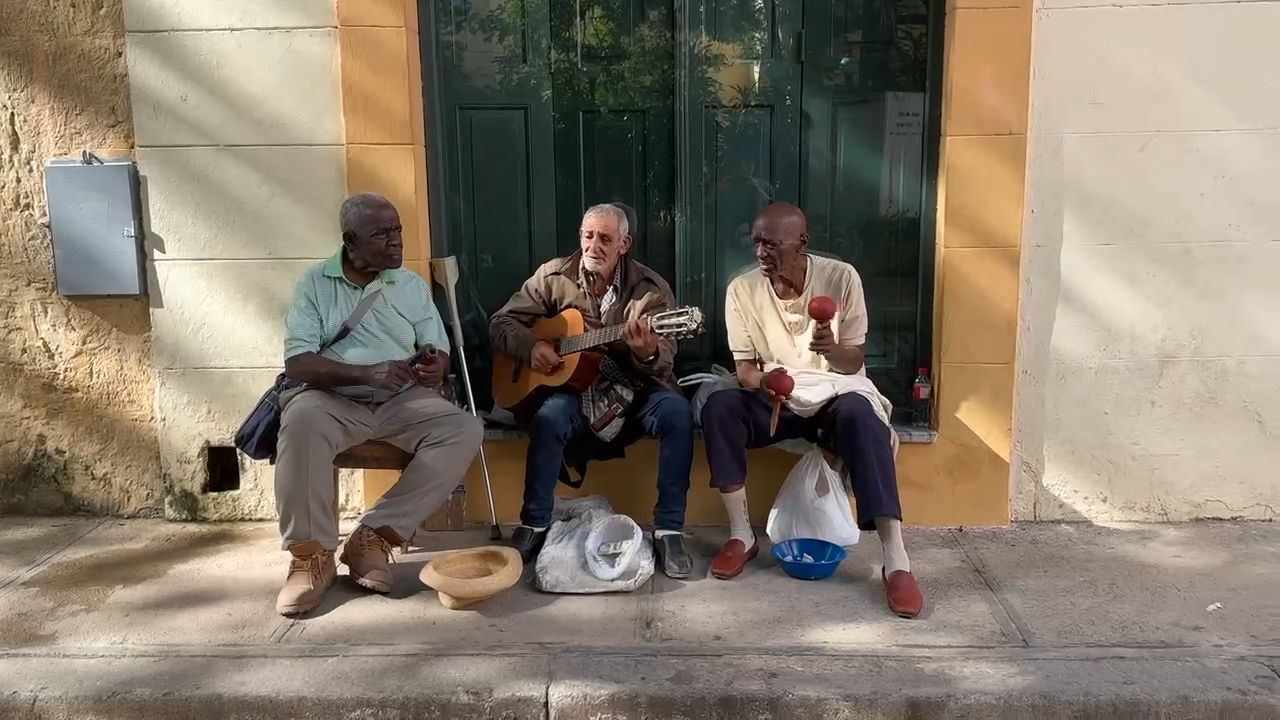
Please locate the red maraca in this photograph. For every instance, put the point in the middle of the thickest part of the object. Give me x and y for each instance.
(781, 385)
(822, 309)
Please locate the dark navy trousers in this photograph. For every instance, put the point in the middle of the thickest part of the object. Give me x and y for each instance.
(734, 421)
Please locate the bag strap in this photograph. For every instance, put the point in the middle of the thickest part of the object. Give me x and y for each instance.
(362, 308)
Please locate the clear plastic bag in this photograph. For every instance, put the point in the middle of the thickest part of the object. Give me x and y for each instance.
(613, 544)
(812, 504)
(708, 382)
(587, 540)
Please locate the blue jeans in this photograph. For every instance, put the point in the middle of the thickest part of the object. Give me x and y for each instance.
(660, 413)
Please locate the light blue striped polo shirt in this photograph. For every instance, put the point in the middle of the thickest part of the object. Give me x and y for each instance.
(402, 320)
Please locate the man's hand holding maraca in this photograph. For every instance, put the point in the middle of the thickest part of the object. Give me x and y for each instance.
(431, 365)
(777, 386)
(843, 359)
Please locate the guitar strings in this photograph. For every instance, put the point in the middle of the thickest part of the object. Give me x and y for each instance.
(598, 336)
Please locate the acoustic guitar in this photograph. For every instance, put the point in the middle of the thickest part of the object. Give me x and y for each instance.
(514, 380)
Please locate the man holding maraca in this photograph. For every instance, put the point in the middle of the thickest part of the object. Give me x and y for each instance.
(807, 313)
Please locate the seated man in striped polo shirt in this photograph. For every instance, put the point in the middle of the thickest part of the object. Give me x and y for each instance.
(363, 387)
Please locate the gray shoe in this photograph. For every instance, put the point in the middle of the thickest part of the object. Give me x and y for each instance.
(672, 556)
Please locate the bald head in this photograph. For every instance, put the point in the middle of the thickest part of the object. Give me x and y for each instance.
(781, 236)
(784, 213)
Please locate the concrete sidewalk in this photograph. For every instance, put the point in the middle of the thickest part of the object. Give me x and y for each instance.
(131, 618)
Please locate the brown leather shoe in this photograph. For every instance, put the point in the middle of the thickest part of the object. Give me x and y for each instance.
(732, 558)
(367, 554)
(311, 573)
(902, 592)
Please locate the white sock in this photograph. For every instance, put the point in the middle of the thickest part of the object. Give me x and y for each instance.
(895, 553)
(735, 503)
(664, 533)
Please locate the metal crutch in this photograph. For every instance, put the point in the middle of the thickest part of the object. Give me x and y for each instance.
(445, 271)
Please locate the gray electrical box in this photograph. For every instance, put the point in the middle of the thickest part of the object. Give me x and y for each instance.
(95, 219)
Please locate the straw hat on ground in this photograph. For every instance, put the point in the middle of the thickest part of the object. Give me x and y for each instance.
(467, 577)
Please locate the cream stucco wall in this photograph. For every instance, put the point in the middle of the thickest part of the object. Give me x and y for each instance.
(240, 143)
(1149, 348)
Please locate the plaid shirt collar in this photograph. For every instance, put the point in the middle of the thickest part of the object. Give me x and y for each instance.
(612, 294)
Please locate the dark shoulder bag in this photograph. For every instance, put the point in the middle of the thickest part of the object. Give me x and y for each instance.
(260, 431)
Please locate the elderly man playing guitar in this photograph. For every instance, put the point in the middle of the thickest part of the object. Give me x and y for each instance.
(625, 391)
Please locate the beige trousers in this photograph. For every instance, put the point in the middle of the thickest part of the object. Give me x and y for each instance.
(316, 425)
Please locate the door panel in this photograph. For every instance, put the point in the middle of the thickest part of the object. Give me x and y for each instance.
(493, 163)
(864, 84)
(613, 89)
(741, 140)
(744, 137)
(493, 184)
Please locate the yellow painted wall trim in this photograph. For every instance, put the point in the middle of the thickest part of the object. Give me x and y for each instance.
(375, 85)
(982, 186)
(374, 13)
(382, 111)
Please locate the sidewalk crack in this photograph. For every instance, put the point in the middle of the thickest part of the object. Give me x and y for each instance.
(1006, 614)
(277, 634)
(648, 626)
(21, 576)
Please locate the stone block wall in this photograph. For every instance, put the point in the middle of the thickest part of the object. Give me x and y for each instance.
(77, 388)
(241, 146)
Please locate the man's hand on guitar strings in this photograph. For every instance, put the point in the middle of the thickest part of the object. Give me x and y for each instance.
(543, 358)
(641, 338)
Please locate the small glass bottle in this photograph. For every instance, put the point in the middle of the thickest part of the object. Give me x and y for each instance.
(921, 398)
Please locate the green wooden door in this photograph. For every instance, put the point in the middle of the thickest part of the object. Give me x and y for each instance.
(612, 98)
(865, 75)
(696, 114)
(740, 144)
(493, 189)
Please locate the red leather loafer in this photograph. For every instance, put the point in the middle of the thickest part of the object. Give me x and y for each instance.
(902, 592)
(734, 556)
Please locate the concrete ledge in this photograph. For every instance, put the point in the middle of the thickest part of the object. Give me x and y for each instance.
(906, 433)
(638, 686)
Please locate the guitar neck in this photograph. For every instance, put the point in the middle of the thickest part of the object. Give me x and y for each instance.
(590, 339)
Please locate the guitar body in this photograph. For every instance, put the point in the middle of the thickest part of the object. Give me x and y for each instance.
(513, 380)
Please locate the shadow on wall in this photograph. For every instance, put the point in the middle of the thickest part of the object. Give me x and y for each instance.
(75, 442)
(1138, 397)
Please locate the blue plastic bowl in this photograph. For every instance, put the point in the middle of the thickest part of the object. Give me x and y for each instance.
(821, 562)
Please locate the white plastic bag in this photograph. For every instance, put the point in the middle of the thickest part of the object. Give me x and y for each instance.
(812, 504)
(566, 565)
(612, 545)
(718, 379)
